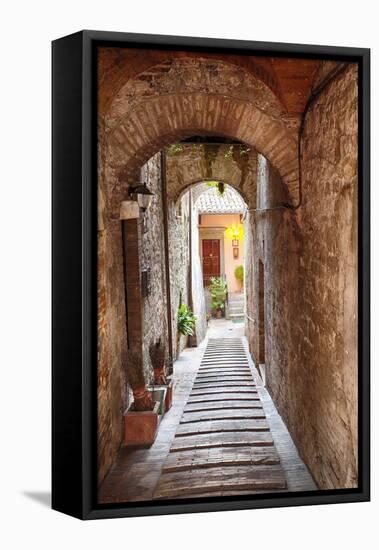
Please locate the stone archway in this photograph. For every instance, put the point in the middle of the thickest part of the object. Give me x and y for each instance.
(232, 164)
(189, 97)
(192, 97)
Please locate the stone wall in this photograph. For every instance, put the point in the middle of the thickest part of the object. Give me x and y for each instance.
(178, 216)
(328, 278)
(112, 395)
(152, 257)
(310, 288)
(198, 298)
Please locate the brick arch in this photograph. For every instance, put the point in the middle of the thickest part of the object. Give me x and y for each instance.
(162, 120)
(195, 163)
(116, 65)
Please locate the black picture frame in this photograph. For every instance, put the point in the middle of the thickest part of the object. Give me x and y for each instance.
(74, 275)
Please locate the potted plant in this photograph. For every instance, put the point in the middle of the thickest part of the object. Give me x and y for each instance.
(141, 418)
(218, 307)
(157, 353)
(157, 356)
(238, 273)
(186, 323)
(218, 290)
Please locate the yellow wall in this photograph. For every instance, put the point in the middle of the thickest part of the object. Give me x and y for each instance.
(222, 222)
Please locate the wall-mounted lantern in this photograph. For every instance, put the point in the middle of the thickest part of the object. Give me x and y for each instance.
(143, 194)
(235, 232)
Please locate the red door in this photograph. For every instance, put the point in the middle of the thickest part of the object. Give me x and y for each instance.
(211, 259)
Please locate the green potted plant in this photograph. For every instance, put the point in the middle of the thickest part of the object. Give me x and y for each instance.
(218, 306)
(238, 273)
(186, 323)
(218, 290)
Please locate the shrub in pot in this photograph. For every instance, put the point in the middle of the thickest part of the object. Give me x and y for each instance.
(238, 273)
(142, 400)
(157, 356)
(186, 322)
(141, 418)
(218, 290)
(157, 353)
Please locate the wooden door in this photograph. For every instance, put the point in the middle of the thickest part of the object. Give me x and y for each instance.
(211, 259)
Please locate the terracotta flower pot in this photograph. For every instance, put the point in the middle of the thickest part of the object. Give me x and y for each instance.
(141, 426)
(169, 395)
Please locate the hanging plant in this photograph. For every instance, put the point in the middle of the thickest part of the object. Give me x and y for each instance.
(244, 150)
(219, 185)
(229, 153)
(174, 149)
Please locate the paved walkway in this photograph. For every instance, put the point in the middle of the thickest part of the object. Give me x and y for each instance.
(201, 431)
(223, 443)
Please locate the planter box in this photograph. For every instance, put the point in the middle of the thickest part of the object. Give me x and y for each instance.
(158, 393)
(164, 394)
(169, 395)
(141, 426)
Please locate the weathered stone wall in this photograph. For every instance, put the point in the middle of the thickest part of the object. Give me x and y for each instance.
(152, 256)
(178, 233)
(328, 277)
(198, 299)
(310, 287)
(112, 395)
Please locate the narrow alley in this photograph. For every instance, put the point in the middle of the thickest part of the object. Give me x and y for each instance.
(227, 359)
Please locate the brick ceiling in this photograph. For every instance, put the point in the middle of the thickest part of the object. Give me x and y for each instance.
(290, 79)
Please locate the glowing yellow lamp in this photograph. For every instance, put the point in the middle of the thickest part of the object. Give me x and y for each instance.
(235, 232)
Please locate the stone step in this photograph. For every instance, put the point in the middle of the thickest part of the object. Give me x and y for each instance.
(231, 478)
(236, 310)
(221, 457)
(236, 301)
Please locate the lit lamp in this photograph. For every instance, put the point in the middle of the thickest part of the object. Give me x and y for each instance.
(235, 233)
(144, 195)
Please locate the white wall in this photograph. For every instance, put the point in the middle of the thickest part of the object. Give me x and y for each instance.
(27, 28)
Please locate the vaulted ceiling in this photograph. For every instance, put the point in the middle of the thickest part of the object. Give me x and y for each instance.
(291, 79)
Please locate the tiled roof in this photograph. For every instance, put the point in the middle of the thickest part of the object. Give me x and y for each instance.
(211, 202)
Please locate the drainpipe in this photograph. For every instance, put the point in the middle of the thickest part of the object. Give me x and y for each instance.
(167, 259)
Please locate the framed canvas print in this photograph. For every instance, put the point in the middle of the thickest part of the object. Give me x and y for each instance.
(210, 274)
